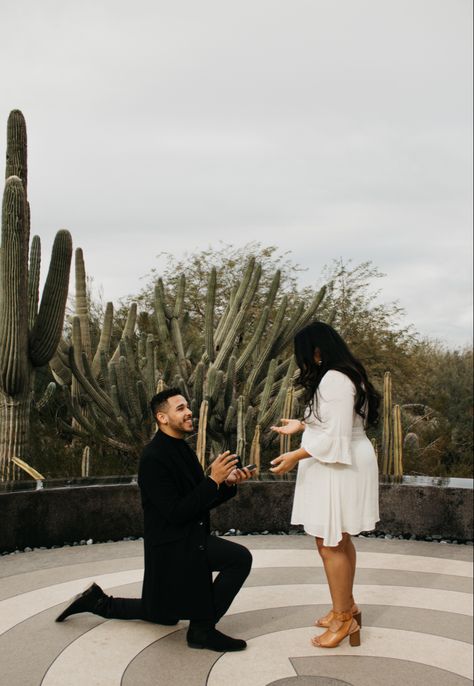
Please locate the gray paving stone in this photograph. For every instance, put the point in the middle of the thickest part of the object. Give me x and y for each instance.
(28, 649)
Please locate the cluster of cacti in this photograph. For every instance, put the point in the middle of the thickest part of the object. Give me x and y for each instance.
(243, 381)
(29, 334)
(237, 374)
(392, 438)
(106, 394)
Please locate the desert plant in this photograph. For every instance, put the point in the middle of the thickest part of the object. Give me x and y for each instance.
(236, 372)
(392, 434)
(29, 335)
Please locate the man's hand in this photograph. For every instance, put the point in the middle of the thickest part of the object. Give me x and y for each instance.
(284, 463)
(239, 475)
(290, 426)
(222, 467)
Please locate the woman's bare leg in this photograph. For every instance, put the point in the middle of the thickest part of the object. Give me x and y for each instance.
(352, 555)
(339, 565)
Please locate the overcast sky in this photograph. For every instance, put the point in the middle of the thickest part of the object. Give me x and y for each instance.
(334, 128)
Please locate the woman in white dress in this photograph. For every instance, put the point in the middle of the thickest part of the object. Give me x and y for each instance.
(336, 491)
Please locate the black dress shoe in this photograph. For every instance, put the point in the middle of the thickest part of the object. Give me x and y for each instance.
(87, 601)
(214, 640)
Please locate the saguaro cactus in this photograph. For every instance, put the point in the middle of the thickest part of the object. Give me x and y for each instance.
(28, 337)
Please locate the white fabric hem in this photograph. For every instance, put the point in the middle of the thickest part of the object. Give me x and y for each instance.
(331, 542)
(326, 448)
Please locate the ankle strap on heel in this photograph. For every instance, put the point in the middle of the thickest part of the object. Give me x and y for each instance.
(343, 616)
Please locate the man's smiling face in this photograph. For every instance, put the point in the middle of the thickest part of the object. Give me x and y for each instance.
(175, 418)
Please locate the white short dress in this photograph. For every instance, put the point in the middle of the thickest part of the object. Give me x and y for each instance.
(337, 487)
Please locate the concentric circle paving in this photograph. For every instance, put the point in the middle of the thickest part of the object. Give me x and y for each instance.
(417, 620)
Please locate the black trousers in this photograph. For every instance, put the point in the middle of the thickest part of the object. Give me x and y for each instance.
(233, 562)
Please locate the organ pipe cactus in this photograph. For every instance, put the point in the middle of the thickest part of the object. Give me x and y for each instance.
(107, 394)
(397, 443)
(392, 435)
(387, 423)
(288, 407)
(29, 335)
(201, 441)
(237, 380)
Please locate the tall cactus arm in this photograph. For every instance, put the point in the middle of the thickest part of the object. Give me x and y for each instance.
(238, 320)
(225, 314)
(198, 386)
(179, 300)
(387, 434)
(280, 370)
(230, 381)
(296, 324)
(267, 348)
(46, 398)
(104, 340)
(82, 308)
(128, 329)
(159, 286)
(255, 340)
(265, 398)
(17, 163)
(307, 316)
(241, 434)
(131, 357)
(143, 400)
(97, 395)
(226, 322)
(47, 330)
(127, 397)
(175, 327)
(273, 413)
(201, 440)
(209, 314)
(34, 280)
(14, 370)
(61, 373)
(230, 422)
(397, 442)
(179, 347)
(255, 448)
(290, 328)
(273, 290)
(161, 318)
(149, 371)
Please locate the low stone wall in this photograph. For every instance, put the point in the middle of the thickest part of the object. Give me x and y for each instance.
(54, 516)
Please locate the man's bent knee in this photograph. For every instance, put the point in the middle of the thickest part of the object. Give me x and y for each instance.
(243, 557)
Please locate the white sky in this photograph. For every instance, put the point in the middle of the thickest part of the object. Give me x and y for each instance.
(334, 128)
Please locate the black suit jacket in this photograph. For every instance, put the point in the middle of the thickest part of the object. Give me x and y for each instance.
(176, 499)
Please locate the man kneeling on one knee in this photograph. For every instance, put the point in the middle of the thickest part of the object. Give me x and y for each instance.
(180, 553)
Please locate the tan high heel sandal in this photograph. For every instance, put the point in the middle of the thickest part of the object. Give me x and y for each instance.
(343, 624)
(326, 620)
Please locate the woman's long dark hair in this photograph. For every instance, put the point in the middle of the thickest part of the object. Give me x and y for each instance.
(334, 355)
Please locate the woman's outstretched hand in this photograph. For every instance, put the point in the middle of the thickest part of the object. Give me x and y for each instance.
(283, 464)
(290, 426)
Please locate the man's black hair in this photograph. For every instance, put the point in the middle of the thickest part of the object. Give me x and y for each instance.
(159, 400)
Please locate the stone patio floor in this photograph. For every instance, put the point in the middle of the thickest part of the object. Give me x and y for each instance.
(417, 620)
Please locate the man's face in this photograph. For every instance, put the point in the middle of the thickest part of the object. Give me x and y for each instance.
(176, 415)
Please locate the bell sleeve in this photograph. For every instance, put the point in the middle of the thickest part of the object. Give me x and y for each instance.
(329, 440)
